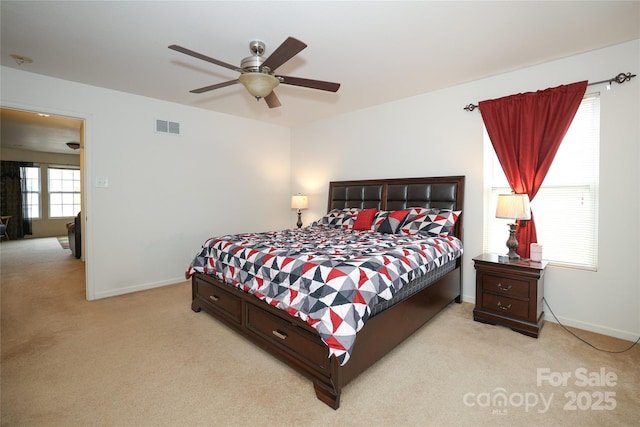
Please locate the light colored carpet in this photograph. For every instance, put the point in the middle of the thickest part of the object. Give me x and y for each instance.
(146, 359)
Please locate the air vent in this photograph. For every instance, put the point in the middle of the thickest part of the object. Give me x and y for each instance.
(165, 126)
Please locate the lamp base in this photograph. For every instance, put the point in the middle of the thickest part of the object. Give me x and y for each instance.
(512, 243)
(299, 223)
(512, 256)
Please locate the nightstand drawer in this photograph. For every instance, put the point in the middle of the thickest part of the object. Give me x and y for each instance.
(505, 286)
(505, 306)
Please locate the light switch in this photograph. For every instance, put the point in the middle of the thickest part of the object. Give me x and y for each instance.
(102, 181)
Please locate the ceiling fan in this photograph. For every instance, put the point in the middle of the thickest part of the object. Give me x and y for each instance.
(257, 72)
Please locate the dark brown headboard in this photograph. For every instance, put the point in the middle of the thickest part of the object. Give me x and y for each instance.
(445, 192)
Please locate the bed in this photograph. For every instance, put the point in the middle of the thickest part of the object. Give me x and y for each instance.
(285, 310)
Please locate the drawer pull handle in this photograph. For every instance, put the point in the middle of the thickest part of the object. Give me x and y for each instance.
(503, 307)
(507, 288)
(214, 297)
(279, 334)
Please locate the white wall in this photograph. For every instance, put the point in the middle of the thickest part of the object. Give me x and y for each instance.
(431, 135)
(166, 193)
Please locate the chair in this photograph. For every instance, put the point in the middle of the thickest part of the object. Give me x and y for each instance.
(75, 236)
(4, 224)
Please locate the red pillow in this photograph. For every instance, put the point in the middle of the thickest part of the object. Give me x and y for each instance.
(365, 219)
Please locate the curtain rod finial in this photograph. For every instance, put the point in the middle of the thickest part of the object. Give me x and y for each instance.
(622, 77)
(470, 107)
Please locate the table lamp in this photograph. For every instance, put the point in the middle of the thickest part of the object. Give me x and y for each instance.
(299, 202)
(515, 207)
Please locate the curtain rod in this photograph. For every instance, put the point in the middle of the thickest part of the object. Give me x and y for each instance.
(620, 78)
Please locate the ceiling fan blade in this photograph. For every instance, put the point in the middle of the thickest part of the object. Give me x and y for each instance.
(313, 84)
(287, 50)
(272, 100)
(204, 57)
(216, 86)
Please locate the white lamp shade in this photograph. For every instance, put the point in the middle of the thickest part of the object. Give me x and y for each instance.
(299, 202)
(259, 84)
(513, 206)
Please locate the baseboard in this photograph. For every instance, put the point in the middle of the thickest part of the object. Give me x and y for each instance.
(470, 299)
(138, 288)
(598, 329)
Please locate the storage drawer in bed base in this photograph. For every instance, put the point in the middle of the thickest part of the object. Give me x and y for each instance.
(282, 333)
(218, 299)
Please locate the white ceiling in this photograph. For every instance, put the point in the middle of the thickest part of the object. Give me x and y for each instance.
(379, 51)
(28, 130)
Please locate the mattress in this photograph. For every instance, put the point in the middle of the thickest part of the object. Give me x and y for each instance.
(411, 288)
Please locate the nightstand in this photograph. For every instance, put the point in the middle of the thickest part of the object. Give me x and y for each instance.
(509, 293)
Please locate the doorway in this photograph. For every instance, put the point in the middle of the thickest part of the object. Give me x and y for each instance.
(53, 141)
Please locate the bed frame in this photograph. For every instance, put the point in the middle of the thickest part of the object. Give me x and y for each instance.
(298, 344)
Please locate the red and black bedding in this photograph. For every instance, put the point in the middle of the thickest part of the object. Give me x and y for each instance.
(335, 273)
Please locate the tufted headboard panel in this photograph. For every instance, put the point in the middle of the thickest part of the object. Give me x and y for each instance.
(446, 192)
(362, 196)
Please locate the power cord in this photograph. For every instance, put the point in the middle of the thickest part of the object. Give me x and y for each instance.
(584, 341)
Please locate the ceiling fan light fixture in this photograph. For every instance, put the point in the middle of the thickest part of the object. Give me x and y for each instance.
(21, 59)
(259, 84)
(257, 71)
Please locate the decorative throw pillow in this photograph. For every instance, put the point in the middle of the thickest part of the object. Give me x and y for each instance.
(414, 220)
(393, 221)
(364, 219)
(343, 218)
(438, 222)
(327, 218)
(378, 219)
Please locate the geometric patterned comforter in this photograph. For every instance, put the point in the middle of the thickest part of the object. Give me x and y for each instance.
(328, 277)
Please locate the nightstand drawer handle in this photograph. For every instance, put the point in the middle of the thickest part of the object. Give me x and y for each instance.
(503, 307)
(214, 297)
(506, 289)
(279, 334)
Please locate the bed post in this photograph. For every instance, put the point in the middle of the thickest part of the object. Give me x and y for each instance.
(329, 392)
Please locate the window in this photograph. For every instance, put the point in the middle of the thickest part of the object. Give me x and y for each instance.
(566, 206)
(31, 184)
(64, 192)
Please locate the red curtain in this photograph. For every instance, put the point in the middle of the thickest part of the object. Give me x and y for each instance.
(526, 130)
